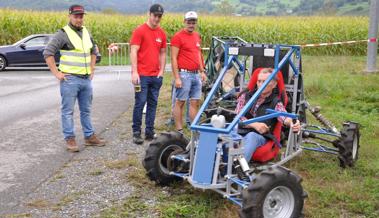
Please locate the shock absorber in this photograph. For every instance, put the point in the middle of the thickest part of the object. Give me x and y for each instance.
(315, 111)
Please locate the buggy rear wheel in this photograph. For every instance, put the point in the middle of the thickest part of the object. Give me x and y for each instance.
(157, 161)
(274, 193)
(348, 144)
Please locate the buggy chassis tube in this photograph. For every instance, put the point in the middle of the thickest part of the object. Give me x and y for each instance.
(253, 99)
(272, 114)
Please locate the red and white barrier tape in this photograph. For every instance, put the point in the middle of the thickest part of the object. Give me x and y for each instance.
(113, 47)
(337, 43)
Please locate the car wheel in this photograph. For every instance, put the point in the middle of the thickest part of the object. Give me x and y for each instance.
(3, 63)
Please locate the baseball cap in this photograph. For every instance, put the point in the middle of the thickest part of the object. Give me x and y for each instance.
(76, 9)
(190, 15)
(156, 9)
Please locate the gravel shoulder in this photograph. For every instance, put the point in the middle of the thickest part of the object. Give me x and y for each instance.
(95, 178)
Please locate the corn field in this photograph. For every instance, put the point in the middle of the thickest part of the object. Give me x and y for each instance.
(105, 28)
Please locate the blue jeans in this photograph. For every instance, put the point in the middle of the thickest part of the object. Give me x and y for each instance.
(150, 86)
(191, 86)
(173, 100)
(251, 142)
(71, 89)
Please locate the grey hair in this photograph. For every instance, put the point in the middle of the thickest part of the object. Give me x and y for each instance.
(269, 71)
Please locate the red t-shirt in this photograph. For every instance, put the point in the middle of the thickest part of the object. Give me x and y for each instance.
(189, 45)
(150, 41)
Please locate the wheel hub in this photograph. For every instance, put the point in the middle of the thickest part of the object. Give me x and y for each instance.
(1, 63)
(279, 203)
(355, 146)
(165, 157)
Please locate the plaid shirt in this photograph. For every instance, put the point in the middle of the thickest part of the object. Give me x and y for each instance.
(241, 103)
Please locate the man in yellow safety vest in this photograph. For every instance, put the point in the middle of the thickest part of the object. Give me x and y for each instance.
(75, 72)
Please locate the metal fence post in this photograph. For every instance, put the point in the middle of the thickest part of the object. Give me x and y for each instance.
(372, 47)
(109, 57)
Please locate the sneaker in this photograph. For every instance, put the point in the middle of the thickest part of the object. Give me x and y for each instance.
(71, 145)
(180, 131)
(137, 139)
(93, 140)
(150, 137)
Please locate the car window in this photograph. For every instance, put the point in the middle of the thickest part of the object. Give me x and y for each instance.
(37, 41)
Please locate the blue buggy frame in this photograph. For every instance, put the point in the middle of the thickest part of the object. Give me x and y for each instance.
(210, 158)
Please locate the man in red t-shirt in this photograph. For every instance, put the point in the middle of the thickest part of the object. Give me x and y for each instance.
(187, 68)
(148, 57)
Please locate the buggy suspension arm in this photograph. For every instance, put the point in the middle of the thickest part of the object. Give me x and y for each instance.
(316, 112)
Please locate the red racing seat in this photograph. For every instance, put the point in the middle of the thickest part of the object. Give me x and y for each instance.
(269, 150)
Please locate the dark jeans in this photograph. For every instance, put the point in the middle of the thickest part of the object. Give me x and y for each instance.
(150, 86)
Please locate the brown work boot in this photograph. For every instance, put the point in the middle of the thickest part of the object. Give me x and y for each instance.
(71, 145)
(93, 140)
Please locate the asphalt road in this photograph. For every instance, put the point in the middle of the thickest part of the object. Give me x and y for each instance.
(31, 143)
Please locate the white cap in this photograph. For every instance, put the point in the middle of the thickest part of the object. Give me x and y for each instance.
(190, 15)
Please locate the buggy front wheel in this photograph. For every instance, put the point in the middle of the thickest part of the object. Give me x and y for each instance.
(274, 193)
(158, 162)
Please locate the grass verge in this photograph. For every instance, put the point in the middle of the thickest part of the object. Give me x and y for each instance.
(338, 85)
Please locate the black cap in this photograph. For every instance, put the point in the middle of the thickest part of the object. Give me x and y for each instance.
(76, 9)
(156, 9)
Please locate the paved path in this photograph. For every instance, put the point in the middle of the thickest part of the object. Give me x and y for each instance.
(31, 144)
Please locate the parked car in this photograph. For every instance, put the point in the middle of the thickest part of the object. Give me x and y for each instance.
(28, 52)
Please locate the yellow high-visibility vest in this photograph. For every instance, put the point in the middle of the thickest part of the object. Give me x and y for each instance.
(78, 60)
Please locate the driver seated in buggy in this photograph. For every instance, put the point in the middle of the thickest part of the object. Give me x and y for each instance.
(261, 140)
